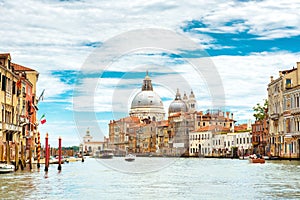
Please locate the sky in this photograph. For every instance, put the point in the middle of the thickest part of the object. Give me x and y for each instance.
(92, 55)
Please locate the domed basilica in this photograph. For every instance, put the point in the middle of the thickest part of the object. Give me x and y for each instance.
(148, 105)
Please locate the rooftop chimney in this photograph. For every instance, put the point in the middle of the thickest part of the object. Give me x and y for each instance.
(227, 115)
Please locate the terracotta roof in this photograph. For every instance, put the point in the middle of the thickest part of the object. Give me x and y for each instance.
(164, 123)
(216, 128)
(18, 67)
(242, 127)
(4, 55)
(131, 119)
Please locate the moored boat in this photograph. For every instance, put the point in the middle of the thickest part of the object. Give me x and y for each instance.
(129, 157)
(73, 159)
(104, 154)
(244, 157)
(6, 168)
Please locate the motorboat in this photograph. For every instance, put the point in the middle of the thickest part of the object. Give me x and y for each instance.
(6, 168)
(129, 157)
(256, 159)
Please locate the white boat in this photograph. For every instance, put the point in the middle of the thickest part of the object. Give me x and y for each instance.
(244, 157)
(130, 157)
(73, 159)
(6, 168)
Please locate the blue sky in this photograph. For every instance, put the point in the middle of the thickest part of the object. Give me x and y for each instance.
(246, 42)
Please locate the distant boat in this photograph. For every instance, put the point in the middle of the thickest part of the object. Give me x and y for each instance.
(104, 154)
(129, 157)
(6, 168)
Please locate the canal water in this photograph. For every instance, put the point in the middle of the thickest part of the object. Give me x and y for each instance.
(176, 178)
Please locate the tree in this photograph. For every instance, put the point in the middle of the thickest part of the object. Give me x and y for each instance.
(260, 111)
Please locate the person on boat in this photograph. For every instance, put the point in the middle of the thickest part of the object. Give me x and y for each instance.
(258, 155)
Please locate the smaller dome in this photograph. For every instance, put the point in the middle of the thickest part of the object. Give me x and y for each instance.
(178, 105)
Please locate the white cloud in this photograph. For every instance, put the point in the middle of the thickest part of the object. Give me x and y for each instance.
(53, 87)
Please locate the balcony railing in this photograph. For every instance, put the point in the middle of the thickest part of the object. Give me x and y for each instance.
(295, 110)
(274, 116)
(293, 134)
(286, 113)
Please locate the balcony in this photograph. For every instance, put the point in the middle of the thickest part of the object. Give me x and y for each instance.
(274, 116)
(286, 113)
(295, 111)
(293, 134)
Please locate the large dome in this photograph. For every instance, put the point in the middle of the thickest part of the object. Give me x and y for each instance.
(147, 104)
(146, 99)
(178, 105)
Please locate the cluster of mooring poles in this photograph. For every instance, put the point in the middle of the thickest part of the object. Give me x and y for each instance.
(47, 153)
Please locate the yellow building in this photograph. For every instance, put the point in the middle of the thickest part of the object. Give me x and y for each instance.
(284, 111)
(9, 128)
(18, 116)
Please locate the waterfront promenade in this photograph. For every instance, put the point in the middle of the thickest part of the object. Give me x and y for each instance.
(179, 178)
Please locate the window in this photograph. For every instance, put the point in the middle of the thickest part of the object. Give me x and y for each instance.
(14, 88)
(3, 83)
(288, 83)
